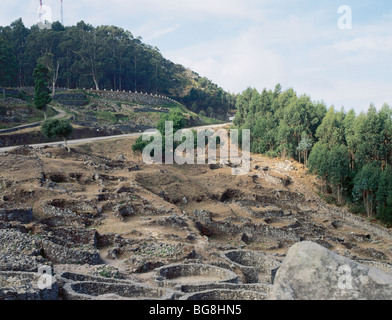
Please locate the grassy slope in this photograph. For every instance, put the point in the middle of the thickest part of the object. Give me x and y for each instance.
(112, 117)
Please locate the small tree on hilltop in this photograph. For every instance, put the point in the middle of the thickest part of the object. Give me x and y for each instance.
(57, 128)
(41, 91)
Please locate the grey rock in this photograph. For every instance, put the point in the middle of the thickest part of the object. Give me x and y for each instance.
(311, 272)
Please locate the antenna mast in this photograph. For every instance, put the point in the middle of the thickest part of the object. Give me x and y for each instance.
(62, 13)
(40, 10)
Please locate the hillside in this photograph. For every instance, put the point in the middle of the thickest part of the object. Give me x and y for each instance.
(104, 58)
(112, 227)
(92, 113)
(351, 153)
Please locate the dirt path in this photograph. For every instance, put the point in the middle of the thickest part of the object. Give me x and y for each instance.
(60, 115)
(79, 141)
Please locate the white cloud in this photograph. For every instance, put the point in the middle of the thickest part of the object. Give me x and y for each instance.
(234, 63)
(154, 29)
(374, 43)
(190, 9)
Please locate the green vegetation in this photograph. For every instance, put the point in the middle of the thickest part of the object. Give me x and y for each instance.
(41, 92)
(139, 144)
(279, 121)
(7, 65)
(57, 128)
(179, 122)
(176, 117)
(352, 154)
(103, 57)
(26, 113)
(207, 99)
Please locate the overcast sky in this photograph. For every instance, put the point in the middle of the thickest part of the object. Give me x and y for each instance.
(257, 43)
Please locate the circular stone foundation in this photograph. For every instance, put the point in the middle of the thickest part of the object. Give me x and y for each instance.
(182, 274)
(76, 277)
(27, 286)
(228, 295)
(114, 291)
(256, 266)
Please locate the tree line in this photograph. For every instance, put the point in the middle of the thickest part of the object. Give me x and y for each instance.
(103, 57)
(352, 154)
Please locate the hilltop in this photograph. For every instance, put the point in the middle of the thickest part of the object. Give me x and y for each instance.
(104, 58)
(92, 113)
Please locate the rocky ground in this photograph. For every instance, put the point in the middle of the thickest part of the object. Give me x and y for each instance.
(104, 222)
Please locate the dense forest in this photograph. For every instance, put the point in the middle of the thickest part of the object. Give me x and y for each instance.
(352, 154)
(103, 57)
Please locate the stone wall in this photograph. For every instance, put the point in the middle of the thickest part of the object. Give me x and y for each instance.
(24, 286)
(126, 96)
(71, 99)
(63, 255)
(133, 97)
(20, 215)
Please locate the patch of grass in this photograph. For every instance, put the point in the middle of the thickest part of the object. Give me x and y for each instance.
(106, 116)
(208, 121)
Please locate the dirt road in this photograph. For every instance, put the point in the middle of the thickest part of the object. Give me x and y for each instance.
(74, 142)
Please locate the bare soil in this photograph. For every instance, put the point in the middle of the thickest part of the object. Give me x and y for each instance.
(164, 227)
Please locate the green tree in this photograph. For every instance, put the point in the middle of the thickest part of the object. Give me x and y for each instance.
(366, 184)
(18, 38)
(57, 128)
(41, 91)
(139, 145)
(53, 66)
(338, 170)
(319, 163)
(331, 130)
(7, 65)
(384, 196)
(304, 147)
(178, 119)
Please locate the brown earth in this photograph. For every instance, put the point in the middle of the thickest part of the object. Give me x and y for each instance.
(184, 213)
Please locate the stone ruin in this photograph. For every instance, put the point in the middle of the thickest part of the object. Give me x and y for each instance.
(227, 295)
(111, 291)
(22, 215)
(187, 282)
(26, 286)
(95, 288)
(256, 266)
(60, 212)
(175, 275)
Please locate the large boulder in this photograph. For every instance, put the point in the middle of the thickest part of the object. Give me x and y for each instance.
(311, 272)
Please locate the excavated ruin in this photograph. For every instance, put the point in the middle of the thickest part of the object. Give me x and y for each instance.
(225, 295)
(219, 238)
(114, 291)
(262, 288)
(178, 274)
(27, 286)
(256, 266)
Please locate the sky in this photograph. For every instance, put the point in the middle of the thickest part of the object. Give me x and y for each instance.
(255, 43)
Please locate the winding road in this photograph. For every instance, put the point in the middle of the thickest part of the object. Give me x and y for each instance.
(86, 140)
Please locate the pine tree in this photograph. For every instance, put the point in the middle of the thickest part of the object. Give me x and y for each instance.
(41, 91)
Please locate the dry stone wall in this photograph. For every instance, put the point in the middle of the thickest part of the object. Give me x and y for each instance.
(133, 97)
